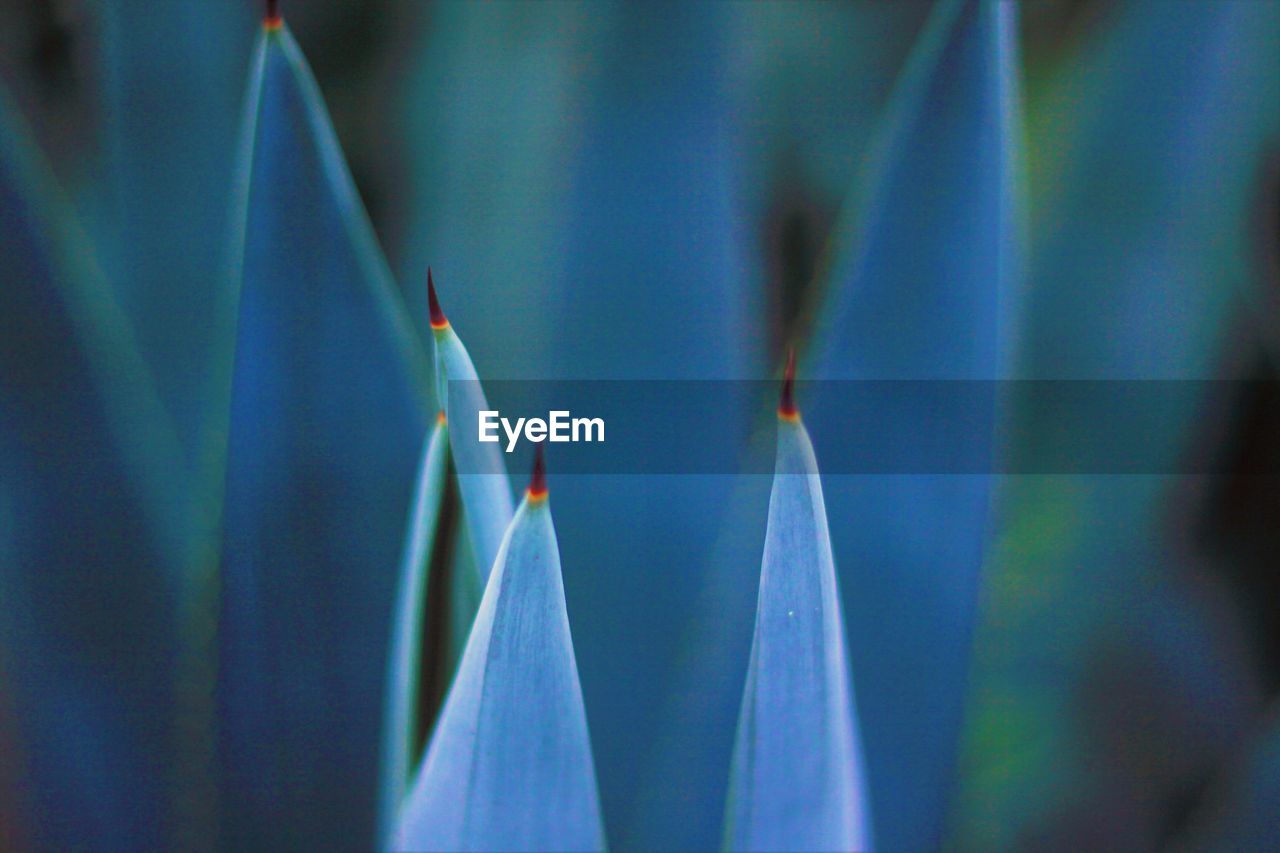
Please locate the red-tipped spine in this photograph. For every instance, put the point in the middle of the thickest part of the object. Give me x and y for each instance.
(272, 19)
(538, 482)
(438, 320)
(787, 402)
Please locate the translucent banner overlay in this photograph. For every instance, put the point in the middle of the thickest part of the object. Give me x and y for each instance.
(868, 427)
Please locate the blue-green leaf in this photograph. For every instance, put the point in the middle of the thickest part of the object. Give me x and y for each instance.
(797, 778)
(1149, 142)
(405, 664)
(186, 65)
(920, 288)
(93, 525)
(327, 418)
(509, 765)
(482, 478)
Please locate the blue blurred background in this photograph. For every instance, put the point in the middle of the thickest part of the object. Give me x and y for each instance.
(1056, 189)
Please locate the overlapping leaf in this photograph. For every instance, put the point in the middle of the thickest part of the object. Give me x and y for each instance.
(482, 477)
(509, 766)
(554, 210)
(327, 417)
(405, 660)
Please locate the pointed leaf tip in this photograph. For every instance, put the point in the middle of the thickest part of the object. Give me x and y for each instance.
(787, 402)
(538, 482)
(438, 320)
(271, 20)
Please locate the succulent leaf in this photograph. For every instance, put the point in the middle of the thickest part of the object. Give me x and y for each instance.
(797, 781)
(931, 248)
(327, 415)
(509, 765)
(187, 65)
(405, 662)
(482, 477)
(90, 477)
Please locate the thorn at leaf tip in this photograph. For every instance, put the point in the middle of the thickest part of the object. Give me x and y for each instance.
(272, 18)
(787, 402)
(538, 482)
(438, 320)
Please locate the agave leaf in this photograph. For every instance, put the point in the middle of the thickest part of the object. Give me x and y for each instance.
(553, 152)
(93, 526)
(486, 491)
(509, 765)
(920, 285)
(403, 673)
(797, 781)
(327, 417)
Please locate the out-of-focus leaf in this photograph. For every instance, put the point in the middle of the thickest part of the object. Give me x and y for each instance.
(482, 477)
(509, 766)
(94, 524)
(489, 114)
(327, 417)
(653, 209)
(405, 662)
(922, 272)
(797, 777)
(170, 82)
(1146, 148)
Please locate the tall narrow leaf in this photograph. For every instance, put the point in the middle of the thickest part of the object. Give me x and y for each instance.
(920, 288)
(92, 527)
(327, 417)
(509, 765)
(186, 65)
(797, 779)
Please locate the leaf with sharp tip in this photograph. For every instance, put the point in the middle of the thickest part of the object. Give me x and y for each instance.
(486, 491)
(403, 672)
(509, 765)
(797, 780)
(327, 418)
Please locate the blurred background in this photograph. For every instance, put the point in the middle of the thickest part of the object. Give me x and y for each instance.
(677, 191)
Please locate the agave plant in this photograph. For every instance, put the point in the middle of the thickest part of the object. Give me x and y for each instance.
(259, 588)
